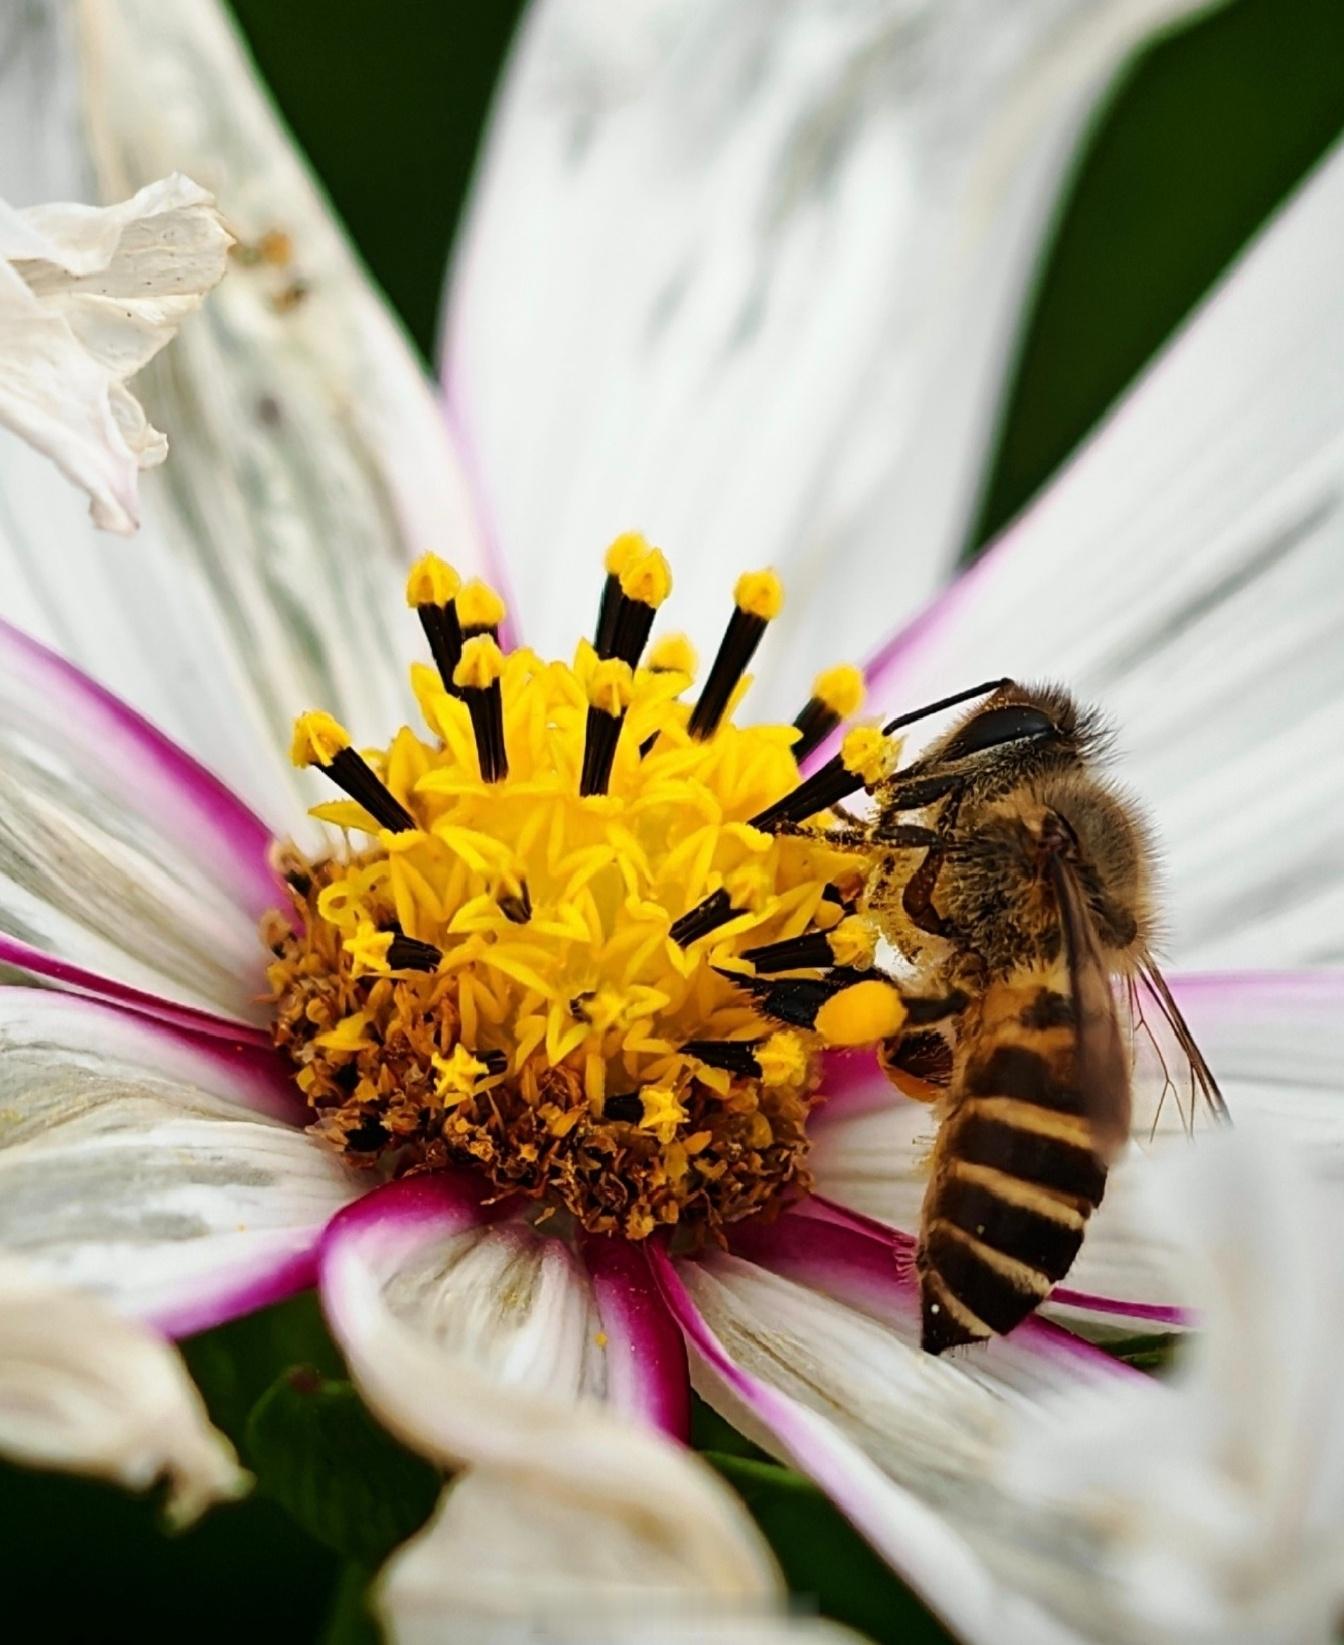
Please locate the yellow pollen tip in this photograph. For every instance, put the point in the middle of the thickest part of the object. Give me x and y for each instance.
(624, 551)
(318, 739)
(867, 753)
(647, 579)
(867, 1011)
(840, 689)
(674, 654)
(368, 949)
(611, 685)
(852, 943)
(783, 1059)
(663, 1112)
(432, 581)
(478, 606)
(759, 594)
(481, 664)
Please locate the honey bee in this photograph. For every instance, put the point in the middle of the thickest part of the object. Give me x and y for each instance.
(1018, 884)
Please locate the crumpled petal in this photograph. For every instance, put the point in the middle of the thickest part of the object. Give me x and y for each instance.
(748, 279)
(87, 297)
(1183, 572)
(1209, 1506)
(311, 463)
(85, 1390)
(163, 1170)
(506, 1560)
(477, 1341)
(125, 869)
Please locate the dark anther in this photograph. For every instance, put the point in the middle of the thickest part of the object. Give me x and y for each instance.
(485, 704)
(518, 910)
(795, 1000)
(736, 650)
(409, 954)
(367, 1137)
(733, 1056)
(496, 1062)
(809, 951)
(714, 911)
(833, 782)
(816, 720)
(602, 733)
(444, 633)
(351, 772)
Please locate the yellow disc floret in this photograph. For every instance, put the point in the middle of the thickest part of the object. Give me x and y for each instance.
(529, 962)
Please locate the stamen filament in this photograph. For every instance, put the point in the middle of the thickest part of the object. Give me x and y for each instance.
(862, 761)
(323, 742)
(757, 600)
(643, 586)
(714, 911)
(624, 551)
(836, 695)
(609, 692)
(431, 590)
(477, 678)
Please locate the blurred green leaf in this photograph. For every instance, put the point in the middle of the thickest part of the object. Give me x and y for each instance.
(317, 1451)
(234, 1364)
(1147, 1353)
(828, 1565)
(349, 1621)
(86, 1561)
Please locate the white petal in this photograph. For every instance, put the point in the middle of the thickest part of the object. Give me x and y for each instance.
(478, 1342)
(1211, 1507)
(311, 462)
(780, 1406)
(162, 1170)
(88, 297)
(84, 1390)
(1185, 572)
(120, 859)
(748, 280)
(1273, 1040)
(509, 1558)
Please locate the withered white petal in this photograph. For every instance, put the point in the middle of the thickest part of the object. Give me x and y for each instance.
(84, 1390)
(785, 249)
(1209, 1506)
(87, 297)
(512, 1557)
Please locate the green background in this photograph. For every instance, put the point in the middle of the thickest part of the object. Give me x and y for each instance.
(1208, 132)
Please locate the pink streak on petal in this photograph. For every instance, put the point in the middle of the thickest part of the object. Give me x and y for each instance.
(902, 1246)
(166, 781)
(88, 984)
(853, 1084)
(907, 1534)
(1236, 991)
(843, 1256)
(441, 1202)
(646, 1353)
(222, 1297)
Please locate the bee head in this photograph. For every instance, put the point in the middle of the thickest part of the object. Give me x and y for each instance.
(1020, 732)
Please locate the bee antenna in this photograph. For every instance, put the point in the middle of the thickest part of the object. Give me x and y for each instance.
(983, 690)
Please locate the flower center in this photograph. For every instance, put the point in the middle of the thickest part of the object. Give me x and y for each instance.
(565, 951)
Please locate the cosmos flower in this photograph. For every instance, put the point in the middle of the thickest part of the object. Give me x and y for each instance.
(636, 332)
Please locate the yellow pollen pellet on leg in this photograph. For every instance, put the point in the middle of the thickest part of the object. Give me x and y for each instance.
(862, 1014)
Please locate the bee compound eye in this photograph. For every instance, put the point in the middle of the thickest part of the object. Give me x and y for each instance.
(993, 727)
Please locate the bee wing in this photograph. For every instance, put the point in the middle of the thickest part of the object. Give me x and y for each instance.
(1173, 1085)
(1102, 1057)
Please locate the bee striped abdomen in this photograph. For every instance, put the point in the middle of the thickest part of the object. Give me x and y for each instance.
(1015, 1172)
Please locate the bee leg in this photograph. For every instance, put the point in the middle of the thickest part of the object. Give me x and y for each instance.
(903, 836)
(918, 1060)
